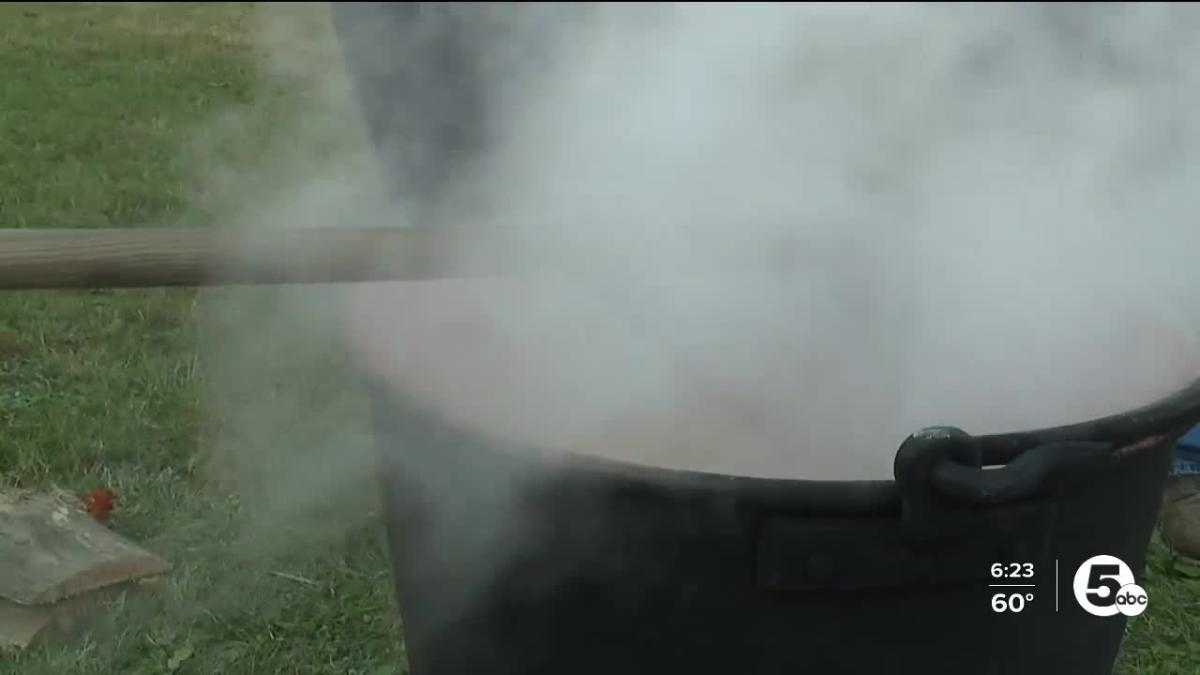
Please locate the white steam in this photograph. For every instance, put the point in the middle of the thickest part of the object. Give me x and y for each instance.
(775, 239)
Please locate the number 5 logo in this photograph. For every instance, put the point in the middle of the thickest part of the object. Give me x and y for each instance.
(1104, 586)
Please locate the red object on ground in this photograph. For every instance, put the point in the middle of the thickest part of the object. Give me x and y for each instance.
(100, 503)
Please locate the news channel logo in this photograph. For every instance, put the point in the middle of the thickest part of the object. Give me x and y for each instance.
(1104, 586)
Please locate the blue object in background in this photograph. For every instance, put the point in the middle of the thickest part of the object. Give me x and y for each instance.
(1191, 440)
(1187, 454)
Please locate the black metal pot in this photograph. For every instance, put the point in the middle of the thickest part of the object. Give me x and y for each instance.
(617, 568)
(508, 563)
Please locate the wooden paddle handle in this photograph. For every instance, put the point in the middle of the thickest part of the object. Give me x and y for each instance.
(152, 257)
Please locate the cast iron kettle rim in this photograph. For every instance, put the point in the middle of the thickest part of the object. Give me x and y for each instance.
(944, 465)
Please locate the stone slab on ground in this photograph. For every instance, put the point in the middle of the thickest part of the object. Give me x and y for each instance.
(56, 560)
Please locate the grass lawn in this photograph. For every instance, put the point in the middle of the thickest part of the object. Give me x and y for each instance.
(101, 107)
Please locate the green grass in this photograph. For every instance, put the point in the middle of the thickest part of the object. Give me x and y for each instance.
(123, 115)
(1165, 640)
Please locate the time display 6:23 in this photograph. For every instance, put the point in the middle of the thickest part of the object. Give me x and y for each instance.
(1012, 571)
